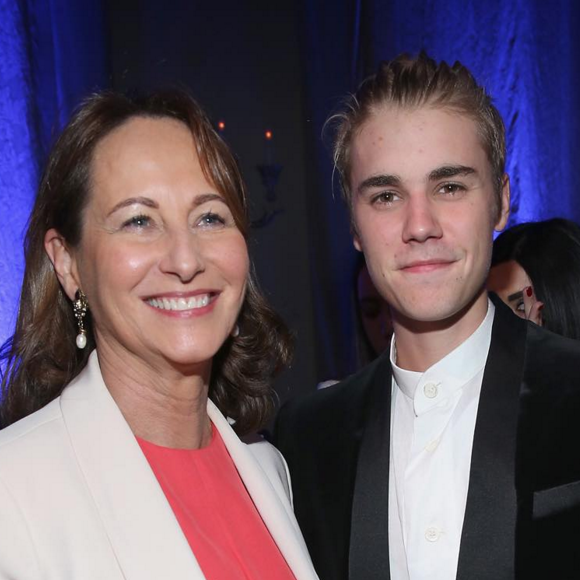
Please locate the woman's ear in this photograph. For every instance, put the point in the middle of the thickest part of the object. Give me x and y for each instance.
(63, 261)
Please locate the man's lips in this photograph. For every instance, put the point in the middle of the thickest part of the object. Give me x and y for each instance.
(426, 266)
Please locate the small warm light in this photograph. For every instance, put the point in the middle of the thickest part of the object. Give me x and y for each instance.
(268, 135)
(221, 125)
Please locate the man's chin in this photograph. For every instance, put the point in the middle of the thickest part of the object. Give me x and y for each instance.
(433, 315)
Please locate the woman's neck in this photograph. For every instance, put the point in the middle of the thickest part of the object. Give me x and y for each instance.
(163, 404)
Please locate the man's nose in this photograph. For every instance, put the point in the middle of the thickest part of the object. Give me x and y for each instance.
(421, 220)
(183, 256)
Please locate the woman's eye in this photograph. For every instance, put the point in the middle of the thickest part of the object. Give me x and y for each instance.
(137, 222)
(211, 219)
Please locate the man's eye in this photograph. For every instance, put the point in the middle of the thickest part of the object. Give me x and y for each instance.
(519, 306)
(385, 198)
(451, 189)
(137, 222)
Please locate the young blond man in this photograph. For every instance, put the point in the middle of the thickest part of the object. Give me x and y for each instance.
(454, 455)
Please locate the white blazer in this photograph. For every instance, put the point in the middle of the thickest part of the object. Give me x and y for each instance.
(78, 500)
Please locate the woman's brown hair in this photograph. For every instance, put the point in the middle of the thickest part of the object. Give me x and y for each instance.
(41, 358)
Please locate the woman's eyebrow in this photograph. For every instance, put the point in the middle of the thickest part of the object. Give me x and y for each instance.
(146, 201)
(205, 197)
(515, 296)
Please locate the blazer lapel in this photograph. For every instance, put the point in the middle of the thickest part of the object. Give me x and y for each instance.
(269, 496)
(137, 518)
(369, 542)
(488, 537)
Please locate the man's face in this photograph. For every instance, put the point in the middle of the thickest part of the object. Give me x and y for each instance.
(424, 210)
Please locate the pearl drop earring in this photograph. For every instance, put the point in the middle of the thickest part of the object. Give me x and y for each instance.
(80, 307)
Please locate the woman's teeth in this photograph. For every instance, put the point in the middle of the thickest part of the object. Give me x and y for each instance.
(180, 303)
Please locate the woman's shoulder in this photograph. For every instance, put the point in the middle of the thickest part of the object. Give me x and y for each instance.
(31, 430)
(264, 452)
(270, 460)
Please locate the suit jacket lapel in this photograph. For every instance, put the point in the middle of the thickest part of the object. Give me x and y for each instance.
(137, 518)
(369, 547)
(488, 536)
(269, 496)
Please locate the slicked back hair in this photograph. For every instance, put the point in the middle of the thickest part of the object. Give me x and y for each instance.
(411, 83)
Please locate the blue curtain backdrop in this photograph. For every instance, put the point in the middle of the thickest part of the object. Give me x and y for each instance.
(51, 53)
(526, 52)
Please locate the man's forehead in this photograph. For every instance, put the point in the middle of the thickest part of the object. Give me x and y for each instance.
(381, 120)
(399, 142)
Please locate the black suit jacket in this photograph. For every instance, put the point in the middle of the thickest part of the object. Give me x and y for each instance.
(522, 516)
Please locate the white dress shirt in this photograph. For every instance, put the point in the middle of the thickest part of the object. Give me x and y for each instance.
(433, 418)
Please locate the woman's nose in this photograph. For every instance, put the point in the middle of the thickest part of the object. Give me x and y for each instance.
(183, 256)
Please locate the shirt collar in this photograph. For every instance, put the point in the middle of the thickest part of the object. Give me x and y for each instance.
(448, 375)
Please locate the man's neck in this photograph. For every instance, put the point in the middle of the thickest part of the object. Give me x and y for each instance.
(422, 344)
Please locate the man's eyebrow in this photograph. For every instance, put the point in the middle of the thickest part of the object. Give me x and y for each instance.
(515, 296)
(146, 201)
(379, 181)
(450, 171)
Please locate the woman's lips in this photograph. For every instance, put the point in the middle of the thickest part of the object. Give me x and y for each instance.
(181, 305)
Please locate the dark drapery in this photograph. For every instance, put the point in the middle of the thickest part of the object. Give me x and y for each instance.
(527, 55)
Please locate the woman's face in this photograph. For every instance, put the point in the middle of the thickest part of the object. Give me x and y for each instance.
(508, 280)
(161, 260)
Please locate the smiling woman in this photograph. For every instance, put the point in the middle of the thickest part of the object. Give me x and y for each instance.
(140, 330)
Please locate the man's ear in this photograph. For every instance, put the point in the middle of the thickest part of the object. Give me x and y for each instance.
(504, 210)
(355, 237)
(63, 262)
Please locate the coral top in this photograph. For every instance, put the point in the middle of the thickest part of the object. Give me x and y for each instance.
(223, 527)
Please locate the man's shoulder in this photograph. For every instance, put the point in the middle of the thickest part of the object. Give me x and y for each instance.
(552, 358)
(336, 406)
(346, 392)
(546, 357)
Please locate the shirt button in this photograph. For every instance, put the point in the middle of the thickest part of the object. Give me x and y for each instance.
(432, 534)
(430, 390)
(432, 445)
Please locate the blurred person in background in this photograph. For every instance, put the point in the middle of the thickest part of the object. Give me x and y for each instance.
(374, 325)
(535, 270)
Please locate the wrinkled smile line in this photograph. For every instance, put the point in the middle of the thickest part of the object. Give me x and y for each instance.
(180, 304)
